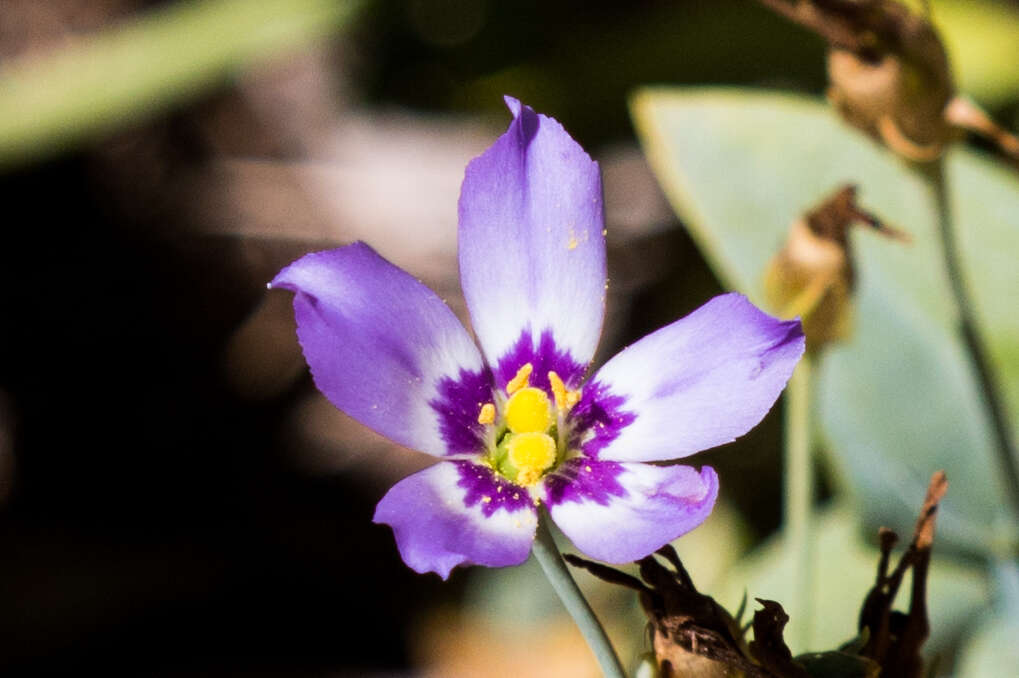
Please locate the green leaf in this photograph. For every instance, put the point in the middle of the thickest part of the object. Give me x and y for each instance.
(844, 572)
(146, 65)
(992, 649)
(899, 400)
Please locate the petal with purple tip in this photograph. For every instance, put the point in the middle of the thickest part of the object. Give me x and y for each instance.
(701, 381)
(532, 248)
(621, 512)
(385, 349)
(458, 513)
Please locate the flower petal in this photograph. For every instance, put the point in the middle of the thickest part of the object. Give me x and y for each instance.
(699, 382)
(620, 512)
(458, 513)
(386, 350)
(532, 248)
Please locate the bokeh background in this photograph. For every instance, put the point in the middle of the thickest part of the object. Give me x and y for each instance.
(176, 499)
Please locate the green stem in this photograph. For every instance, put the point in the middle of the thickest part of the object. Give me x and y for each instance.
(799, 497)
(994, 404)
(547, 554)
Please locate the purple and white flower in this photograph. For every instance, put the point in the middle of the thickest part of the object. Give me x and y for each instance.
(516, 424)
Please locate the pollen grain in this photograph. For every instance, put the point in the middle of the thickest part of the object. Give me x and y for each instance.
(487, 414)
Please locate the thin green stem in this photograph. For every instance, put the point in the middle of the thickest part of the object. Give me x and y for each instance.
(799, 497)
(994, 404)
(547, 554)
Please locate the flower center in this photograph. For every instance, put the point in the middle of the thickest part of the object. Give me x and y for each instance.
(528, 439)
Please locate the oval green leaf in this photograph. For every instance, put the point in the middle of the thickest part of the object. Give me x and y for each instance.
(899, 400)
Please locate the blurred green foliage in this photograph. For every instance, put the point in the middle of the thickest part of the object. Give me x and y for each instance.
(898, 400)
(97, 84)
(992, 650)
(463, 58)
(981, 37)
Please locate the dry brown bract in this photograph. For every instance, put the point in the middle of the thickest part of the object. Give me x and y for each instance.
(694, 636)
(812, 275)
(890, 76)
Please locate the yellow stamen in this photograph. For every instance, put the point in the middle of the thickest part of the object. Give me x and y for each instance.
(528, 411)
(558, 390)
(521, 380)
(531, 454)
(564, 400)
(487, 414)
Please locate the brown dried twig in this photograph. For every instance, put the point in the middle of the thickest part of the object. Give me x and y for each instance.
(895, 638)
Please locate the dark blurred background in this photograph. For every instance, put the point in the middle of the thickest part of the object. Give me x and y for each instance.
(175, 497)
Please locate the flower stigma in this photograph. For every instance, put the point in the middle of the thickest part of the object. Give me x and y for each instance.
(531, 454)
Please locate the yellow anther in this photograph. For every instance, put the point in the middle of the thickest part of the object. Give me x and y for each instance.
(528, 411)
(487, 414)
(531, 454)
(572, 398)
(521, 380)
(564, 399)
(558, 390)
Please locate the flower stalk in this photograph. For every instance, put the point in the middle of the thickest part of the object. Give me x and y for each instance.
(547, 554)
(989, 389)
(799, 497)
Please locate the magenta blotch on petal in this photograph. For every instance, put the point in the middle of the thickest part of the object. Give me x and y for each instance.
(457, 404)
(622, 512)
(532, 250)
(598, 418)
(441, 519)
(702, 381)
(544, 356)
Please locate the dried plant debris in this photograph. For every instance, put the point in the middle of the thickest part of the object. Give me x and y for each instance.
(768, 645)
(692, 635)
(895, 638)
(890, 76)
(812, 276)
